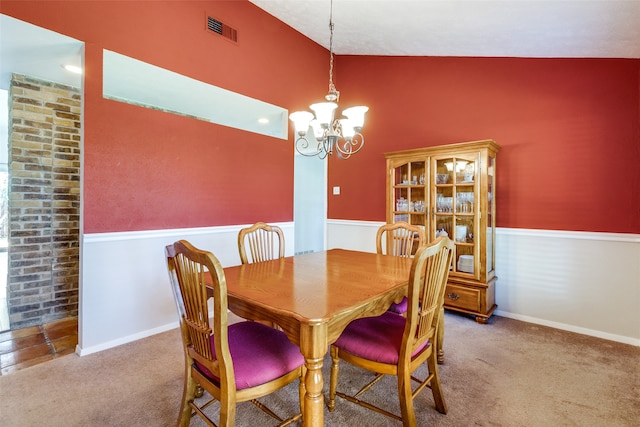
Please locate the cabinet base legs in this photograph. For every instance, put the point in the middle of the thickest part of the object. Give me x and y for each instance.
(480, 317)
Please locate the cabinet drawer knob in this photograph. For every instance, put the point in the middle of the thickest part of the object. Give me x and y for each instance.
(453, 296)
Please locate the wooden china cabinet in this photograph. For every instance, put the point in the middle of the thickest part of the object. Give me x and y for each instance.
(450, 189)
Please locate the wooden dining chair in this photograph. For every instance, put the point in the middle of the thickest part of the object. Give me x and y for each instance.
(263, 241)
(394, 345)
(233, 363)
(399, 239)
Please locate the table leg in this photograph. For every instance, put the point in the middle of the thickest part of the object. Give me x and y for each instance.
(311, 337)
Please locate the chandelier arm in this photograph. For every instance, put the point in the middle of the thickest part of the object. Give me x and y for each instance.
(302, 144)
(351, 146)
(322, 155)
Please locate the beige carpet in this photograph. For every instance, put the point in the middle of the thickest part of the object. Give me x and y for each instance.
(506, 373)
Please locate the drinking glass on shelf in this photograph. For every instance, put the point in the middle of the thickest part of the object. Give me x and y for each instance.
(464, 202)
(401, 204)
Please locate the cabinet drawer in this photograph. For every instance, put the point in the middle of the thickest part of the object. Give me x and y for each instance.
(461, 297)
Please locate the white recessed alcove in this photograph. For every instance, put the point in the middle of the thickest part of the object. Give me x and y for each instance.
(136, 82)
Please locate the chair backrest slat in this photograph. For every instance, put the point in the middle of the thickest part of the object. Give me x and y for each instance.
(400, 239)
(195, 276)
(265, 242)
(427, 283)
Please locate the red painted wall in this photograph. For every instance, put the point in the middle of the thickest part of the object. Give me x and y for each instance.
(569, 128)
(569, 131)
(145, 169)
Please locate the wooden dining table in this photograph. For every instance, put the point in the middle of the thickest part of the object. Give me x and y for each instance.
(312, 297)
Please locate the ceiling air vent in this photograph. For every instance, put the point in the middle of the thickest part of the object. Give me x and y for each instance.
(223, 29)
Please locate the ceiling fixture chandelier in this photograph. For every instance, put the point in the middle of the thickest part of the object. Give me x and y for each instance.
(342, 134)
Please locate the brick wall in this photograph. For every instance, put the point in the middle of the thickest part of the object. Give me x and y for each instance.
(44, 201)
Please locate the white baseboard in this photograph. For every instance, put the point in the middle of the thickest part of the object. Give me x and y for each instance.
(570, 328)
(83, 351)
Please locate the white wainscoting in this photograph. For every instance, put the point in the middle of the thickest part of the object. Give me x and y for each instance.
(583, 282)
(587, 283)
(124, 287)
(353, 235)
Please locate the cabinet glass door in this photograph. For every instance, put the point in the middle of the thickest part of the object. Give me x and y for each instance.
(409, 192)
(456, 206)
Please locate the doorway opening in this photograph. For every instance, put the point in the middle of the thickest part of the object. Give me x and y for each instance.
(309, 204)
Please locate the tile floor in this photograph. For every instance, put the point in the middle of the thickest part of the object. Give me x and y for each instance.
(4, 310)
(36, 344)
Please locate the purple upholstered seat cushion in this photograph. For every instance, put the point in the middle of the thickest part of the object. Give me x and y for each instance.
(400, 307)
(259, 353)
(375, 338)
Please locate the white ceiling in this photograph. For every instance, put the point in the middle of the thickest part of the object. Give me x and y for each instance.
(35, 51)
(516, 28)
(488, 28)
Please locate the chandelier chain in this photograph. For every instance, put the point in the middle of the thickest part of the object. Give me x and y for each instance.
(332, 89)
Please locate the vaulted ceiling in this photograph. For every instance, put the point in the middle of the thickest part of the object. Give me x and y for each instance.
(514, 28)
(488, 28)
